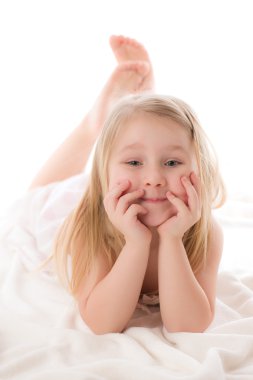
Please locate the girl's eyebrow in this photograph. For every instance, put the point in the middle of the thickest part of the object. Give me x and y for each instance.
(139, 145)
(136, 145)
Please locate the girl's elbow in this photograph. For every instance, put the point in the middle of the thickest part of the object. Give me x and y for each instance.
(184, 328)
(190, 326)
(102, 330)
(97, 325)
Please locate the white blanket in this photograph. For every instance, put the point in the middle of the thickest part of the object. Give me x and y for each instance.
(42, 336)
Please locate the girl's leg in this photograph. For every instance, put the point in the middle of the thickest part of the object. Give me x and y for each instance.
(130, 76)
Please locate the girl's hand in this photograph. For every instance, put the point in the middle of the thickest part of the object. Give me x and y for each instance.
(187, 214)
(123, 212)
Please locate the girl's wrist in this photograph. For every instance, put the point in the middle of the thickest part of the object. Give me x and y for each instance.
(170, 232)
(143, 244)
(170, 239)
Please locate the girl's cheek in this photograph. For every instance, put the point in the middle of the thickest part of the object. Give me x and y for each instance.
(178, 186)
(116, 181)
(179, 190)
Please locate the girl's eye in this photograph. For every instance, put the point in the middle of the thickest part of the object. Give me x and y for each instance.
(134, 163)
(172, 163)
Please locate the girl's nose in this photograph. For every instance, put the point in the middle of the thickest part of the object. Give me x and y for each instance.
(154, 178)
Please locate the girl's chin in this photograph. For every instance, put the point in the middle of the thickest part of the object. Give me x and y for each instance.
(152, 220)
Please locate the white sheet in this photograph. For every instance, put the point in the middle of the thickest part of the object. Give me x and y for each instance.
(43, 337)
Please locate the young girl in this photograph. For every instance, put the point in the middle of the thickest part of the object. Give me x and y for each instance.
(144, 224)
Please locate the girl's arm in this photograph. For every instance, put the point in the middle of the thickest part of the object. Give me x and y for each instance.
(107, 300)
(187, 301)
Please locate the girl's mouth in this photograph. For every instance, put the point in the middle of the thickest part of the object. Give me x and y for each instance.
(154, 200)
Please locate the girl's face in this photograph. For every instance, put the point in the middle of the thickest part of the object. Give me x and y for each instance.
(153, 153)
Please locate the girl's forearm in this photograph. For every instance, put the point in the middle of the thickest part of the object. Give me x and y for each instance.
(112, 302)
(184, 304)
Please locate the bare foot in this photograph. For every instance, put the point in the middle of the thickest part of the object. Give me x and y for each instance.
(128, 49)
(129, 77)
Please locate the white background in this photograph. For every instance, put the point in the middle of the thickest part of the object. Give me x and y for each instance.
(54, 58)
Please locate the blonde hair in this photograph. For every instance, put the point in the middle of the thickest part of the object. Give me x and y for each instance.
(87, 232)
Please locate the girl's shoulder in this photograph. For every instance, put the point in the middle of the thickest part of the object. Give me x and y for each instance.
(215, 232)
(215, 243)
(207, 276)
(98, 270)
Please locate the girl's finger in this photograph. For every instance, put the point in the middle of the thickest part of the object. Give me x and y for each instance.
(127, 199)
(136, 209)
(193, 198)
(177, 202)
(112, 197)
(195, 180)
